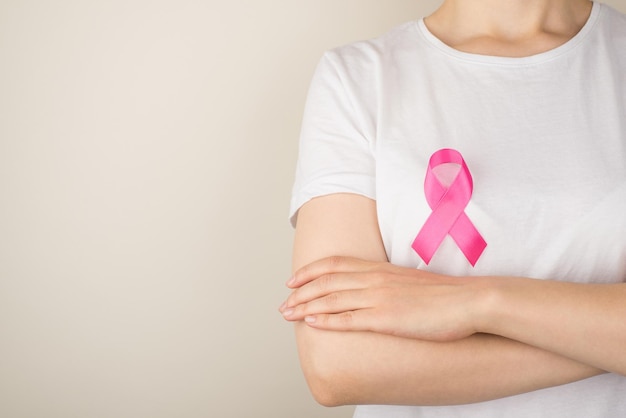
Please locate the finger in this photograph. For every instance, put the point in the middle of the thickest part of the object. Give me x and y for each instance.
(327, 284)
(335, 264)
(333, 303)
(357, 320)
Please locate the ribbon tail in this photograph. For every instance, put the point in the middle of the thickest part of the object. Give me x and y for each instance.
(435, 229)
(468, 239)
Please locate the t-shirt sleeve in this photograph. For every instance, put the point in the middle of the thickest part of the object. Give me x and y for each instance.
(336, 140)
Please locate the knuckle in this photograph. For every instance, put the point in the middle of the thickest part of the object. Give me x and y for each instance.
(335, 261)
(332, 300)
(325, 282)
(346, 318)
(379, 277)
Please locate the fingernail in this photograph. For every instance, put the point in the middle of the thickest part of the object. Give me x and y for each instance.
(310, 319)
(288, 312)
(291, 280)
(282, 307)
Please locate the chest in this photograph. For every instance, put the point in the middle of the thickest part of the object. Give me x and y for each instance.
(549, 192)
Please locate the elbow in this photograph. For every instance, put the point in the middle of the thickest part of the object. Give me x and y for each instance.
(326, 374)
(325, 390)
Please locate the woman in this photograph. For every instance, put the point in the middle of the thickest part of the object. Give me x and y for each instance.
(508, 299)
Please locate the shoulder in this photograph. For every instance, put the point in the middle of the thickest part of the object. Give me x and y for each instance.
(373, 54)
(610, 36)
(613, 23)
(613, 14)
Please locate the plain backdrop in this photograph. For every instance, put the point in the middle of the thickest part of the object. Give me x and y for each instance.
(147, 152)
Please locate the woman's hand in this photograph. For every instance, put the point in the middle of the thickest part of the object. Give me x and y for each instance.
(348, 294)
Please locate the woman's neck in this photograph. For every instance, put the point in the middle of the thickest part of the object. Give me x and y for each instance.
(512, 28)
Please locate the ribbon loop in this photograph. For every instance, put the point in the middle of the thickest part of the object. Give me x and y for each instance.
(448, 211)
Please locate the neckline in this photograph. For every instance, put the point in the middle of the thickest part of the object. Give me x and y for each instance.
(435, 42)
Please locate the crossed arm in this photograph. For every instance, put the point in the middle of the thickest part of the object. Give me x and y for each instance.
(369, 332)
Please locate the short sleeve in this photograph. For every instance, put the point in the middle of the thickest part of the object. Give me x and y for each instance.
(336, 153)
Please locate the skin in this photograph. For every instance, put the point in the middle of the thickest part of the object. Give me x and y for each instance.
(511, 28)
(460, 339)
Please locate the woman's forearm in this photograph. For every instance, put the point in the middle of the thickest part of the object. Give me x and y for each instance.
(585, 322)
(368, 368)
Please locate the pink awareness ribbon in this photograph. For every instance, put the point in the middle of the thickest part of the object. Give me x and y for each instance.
(448, 211)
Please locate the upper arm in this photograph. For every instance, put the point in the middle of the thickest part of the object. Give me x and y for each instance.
(342, 224)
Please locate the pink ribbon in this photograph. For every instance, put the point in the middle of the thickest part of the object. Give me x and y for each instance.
(448, 215)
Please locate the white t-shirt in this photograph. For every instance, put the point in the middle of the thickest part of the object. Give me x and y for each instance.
(544, 138)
